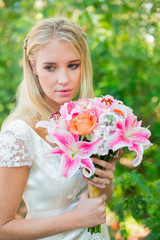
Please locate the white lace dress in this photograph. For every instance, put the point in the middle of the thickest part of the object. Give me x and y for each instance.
(46, 193)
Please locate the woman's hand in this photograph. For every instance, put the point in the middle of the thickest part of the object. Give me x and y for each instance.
(105, 175)
(91, 212)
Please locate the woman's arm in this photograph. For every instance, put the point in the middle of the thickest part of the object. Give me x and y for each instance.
(88, 213)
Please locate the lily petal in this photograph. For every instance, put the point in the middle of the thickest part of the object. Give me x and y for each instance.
(56, 151)
(119, 141)
(88, 167)
(129, 120)
(65, 140)
(86, 149)
(69, 166)
(50, 139)
(44, 124)
(138, 123)
(145, 146)
(65, 115)
(140, 150)
(140, 135)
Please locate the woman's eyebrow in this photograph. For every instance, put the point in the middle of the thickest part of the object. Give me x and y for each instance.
(49, 63)
(76, 60)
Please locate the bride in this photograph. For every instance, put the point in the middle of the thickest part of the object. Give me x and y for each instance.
(57, 67)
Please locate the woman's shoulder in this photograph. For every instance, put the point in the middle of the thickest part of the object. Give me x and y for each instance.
(17, 129)
(15, 144)
(17, 126)
(14, 124)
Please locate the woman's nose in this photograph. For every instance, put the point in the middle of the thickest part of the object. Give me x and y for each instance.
(63, 77)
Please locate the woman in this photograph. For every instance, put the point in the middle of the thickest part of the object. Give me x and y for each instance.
(56, 65)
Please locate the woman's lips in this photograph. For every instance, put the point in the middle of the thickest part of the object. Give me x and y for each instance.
(64, 92)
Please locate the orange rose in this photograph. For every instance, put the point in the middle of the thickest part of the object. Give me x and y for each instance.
(82, 124)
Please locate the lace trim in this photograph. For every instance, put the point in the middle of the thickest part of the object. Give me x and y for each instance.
(15, 148)
(80, 185)
(94, 236)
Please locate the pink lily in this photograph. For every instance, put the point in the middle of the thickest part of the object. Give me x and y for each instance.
(65, 112)
(130, 134)
(58, 119)
(74, 153)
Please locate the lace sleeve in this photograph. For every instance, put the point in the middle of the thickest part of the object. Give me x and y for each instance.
(15, 149)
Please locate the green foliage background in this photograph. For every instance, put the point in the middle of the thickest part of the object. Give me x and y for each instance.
(124, 39)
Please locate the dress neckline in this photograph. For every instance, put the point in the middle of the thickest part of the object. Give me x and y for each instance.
(36, 134)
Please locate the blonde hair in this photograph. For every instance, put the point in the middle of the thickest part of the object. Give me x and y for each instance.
(30, 96)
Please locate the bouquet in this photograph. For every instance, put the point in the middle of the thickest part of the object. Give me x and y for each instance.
(94, 127)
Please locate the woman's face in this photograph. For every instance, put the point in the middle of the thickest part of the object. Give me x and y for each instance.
(58, 66)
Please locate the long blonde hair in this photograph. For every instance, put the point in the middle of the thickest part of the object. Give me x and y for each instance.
(30, 96)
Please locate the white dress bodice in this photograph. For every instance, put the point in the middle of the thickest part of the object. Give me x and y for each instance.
(46, 192)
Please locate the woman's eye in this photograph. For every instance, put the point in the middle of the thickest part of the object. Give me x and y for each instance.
(73, 66)
(50, 68)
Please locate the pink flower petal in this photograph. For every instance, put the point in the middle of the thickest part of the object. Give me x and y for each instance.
(71, 105)
(64, 110)
(44, 124)
(145, 146)
(65, 140)
(69, 166)
(86, 149)
(120, 125)
(139, 149)
(76, 138)
(56, 151)
(140, 135)
(88, 164)
(50, 139)
(119, 141)
(138, 123)
(129, 120)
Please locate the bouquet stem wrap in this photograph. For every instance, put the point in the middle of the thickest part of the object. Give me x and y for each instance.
(93, 193)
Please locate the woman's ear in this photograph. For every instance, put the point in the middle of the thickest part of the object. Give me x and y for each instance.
(33, 65)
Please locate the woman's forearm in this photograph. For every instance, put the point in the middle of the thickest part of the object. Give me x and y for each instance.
(88, 213)
(33, 229)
